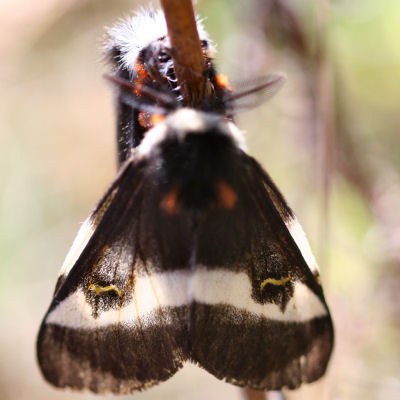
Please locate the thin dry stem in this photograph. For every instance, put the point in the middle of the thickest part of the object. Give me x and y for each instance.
(186, 49)
(324, 121)
(249, 394)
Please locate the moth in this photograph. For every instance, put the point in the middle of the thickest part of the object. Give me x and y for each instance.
(192, 254)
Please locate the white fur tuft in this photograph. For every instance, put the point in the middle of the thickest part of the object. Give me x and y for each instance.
(188, 120)
(136, 32)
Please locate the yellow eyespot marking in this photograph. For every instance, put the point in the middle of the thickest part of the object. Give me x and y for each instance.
(99, 289)
(91, 285)
(149, 383)
(276, 282)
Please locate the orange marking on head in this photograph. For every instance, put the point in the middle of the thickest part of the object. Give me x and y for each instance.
(141, 76)
(169, 203)
(141, 71)
(156, 119)
(147, 120)
(138, 89)
(222, 80)
(144, 119)
(227, 196)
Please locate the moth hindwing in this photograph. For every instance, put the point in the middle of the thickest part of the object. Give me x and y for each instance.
(191, 255)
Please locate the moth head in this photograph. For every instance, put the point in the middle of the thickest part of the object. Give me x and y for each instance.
(143, 35)
(139, 51)
(185, 122)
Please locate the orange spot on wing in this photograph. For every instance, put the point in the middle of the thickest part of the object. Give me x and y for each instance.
(169, 203)
(227, 196)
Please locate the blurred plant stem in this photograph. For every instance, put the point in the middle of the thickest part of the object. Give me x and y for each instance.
(249, 394)
(335, 142)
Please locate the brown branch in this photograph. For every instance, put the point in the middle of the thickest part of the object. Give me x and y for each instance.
(249, 394)
(186, 49)
(324, 122)
(281, 20)
(355, 164)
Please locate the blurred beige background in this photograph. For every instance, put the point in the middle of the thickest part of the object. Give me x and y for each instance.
(330, 139)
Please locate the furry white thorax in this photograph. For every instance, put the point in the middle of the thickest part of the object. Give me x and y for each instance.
(171, 289)
(134, 33)
(187, 120)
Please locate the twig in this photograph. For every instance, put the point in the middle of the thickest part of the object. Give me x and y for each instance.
(186, 49)
(249, 394)
(280, 21)
(324, 123)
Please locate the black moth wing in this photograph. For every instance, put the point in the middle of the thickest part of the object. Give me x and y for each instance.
(259, 319)
(193, 254)
(106, 329)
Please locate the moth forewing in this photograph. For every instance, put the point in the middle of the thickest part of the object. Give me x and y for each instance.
(105, 329)
(188, 261)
